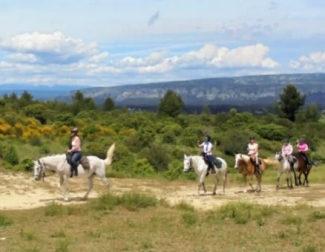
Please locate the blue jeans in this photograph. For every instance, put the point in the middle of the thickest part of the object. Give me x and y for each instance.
(76, 156)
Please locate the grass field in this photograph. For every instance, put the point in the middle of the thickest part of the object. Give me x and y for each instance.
(135, 220)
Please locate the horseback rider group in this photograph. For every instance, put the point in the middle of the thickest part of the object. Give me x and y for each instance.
(252, 152)
(302, 146)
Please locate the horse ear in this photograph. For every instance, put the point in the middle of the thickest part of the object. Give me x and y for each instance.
(185, 156)
(235, 153)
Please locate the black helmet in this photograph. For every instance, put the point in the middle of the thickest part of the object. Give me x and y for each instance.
(286, 140)
(75, 129)
(301, 140)
(251, 138)
(208, 138)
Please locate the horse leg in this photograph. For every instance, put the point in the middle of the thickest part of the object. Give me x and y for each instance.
(205, 190)
(105, 181)
(295, 176)
(215, 185)
(259, 179)
(278, 180)
(299, 178)
(201, 183)
(245, 183)
(60, 183)
(224, 178)
(289, 178)
(91, 185)
(250, 182)
(66, 191)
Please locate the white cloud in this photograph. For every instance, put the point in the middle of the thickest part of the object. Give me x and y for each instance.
(313, 62)
(57, 59)
(49, 47)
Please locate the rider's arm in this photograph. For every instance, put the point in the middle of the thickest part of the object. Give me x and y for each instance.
(306, 147)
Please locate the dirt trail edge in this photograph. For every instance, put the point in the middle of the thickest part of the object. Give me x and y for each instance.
(20, 191)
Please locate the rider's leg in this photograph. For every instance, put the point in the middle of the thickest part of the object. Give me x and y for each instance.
(210, 158)
(210, 161)
(74, 162)
(257, 165)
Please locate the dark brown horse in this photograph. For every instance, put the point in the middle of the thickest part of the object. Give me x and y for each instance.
(302, 167)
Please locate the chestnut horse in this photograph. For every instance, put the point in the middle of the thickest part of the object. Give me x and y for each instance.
(245, 166)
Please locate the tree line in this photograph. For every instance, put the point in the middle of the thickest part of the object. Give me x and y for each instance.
(150, 142)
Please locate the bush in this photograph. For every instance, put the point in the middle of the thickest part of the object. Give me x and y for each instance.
(11, 156)
(157, 156)
(35, 141)
(26, 165)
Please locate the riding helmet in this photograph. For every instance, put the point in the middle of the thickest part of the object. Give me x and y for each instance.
(74, 129)
(208, 138)
(251, 138)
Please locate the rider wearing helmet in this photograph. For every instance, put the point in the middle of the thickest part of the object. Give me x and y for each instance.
(303, 149)
(287, 150)
(207, 153)
(74, 151)
(252, 150)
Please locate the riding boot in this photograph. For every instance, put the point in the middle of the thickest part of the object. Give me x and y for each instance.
(257, 168)
(71, 171)
(213, 171)
(291, 167)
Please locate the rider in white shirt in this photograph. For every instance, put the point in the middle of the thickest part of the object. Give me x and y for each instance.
(252, 150)
(207, 152)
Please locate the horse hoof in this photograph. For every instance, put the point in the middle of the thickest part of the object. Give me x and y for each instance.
(84, 199)
(214, 193)
(66, 199)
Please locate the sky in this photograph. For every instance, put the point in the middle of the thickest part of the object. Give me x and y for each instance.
(109, 43)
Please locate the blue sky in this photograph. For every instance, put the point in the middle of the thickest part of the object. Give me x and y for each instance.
(104, 42)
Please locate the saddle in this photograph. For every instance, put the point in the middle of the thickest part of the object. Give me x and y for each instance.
(84, 161)
(254, 163)
(216, 162)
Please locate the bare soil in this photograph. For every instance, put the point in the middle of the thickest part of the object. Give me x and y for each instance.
(20, 191)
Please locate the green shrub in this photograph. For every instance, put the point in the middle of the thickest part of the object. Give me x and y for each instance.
(35, 141)
(11, 155)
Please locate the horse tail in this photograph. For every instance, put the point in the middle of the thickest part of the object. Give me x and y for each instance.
(109, 157)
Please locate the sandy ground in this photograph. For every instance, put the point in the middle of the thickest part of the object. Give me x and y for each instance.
(20, 191)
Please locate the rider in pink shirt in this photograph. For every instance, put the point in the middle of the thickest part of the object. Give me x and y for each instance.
(303, 149)
(287, 150)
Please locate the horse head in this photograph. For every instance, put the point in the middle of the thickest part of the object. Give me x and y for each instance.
(39, 170)
(187, 163)
(237, 158)
(278, 156)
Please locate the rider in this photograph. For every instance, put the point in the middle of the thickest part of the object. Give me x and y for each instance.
(252, 150)
(303, 149)
(75, 151)
(207, 152)
(287, 150)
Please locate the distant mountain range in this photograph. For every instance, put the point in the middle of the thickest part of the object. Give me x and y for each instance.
(260, 90)
(238, 91)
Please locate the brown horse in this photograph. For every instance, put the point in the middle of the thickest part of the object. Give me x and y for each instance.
(245, 166)
(301, 165)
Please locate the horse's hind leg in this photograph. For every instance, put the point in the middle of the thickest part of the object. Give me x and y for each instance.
(224, 178)
(105, 181)
(215, 185)
(91, 185)
(278, 180)
(66, 185)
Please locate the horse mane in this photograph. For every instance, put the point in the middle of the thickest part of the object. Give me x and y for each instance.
(244, 158)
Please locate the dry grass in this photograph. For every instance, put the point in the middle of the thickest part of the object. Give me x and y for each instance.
(137, 222)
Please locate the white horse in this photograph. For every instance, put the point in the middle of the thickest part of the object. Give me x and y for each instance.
(59, 164)
(284, 168)
(201, 168)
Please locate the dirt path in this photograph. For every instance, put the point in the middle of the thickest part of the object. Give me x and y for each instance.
(19, 191)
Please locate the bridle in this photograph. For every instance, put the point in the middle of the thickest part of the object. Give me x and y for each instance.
(190, 165)
(41, 173)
